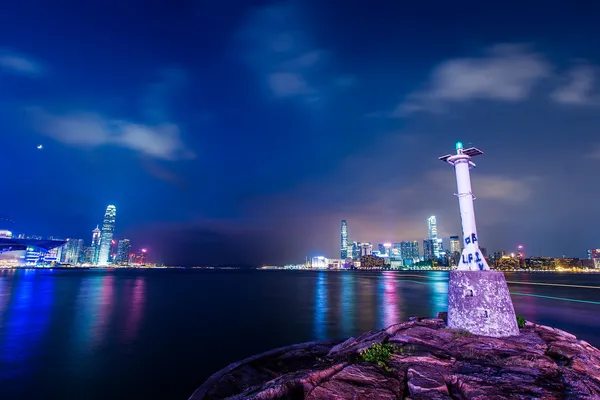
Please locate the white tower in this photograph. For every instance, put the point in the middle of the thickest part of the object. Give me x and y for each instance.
(478, 299)
(471, 258)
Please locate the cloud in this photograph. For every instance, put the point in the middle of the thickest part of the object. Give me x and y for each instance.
(595, 153)
(500, 188)
(276, 42)
(286, 84)
(90, 130)
(19, 64)
(505, 73)
(578, 89)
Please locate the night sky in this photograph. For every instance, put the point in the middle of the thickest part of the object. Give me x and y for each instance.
(243, 132)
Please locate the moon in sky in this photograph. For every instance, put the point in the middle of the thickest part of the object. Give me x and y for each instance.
(40, 147)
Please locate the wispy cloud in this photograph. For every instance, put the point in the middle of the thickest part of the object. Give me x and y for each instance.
(276, 42)
(19, 64)
(90, 130)
(595, 153)
(504, 73)
(578, 88)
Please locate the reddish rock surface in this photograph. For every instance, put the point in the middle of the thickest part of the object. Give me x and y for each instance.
(431, 362)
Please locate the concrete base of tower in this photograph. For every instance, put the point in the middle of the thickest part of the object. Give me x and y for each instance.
(479, 302)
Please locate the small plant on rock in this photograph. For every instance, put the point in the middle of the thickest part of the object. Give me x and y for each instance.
(459, 333)
(379, 354)
(521, 322)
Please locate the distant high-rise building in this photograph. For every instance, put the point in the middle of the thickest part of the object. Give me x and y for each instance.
(106, 236)
(455, 244)
(396, 251)
(71, 251)
(123, 251)
(594, 255)
(428, 249)
(432, 230)
(344, 240)
(366, 249)
(95, 247)
(384, 249)
(53, 255)
(356, 246)
(141, 257)
(409, 250)
(440, 245)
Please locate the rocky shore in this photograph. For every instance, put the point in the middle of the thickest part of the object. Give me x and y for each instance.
(418, 359)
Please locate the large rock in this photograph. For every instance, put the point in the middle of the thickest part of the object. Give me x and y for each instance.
(431, 361)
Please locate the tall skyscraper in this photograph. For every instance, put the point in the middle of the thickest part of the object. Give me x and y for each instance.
(123, 250)
(106, 236)
(95, 247)
(432, 229)
(344, 240)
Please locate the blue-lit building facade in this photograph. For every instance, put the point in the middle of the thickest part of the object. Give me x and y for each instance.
(106, 236)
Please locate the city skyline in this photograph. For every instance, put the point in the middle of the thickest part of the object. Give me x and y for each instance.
(104, 248)
(251, 132)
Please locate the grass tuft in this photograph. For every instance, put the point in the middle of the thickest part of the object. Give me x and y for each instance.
(379, 354)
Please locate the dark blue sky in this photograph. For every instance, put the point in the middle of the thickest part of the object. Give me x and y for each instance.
(238, 131)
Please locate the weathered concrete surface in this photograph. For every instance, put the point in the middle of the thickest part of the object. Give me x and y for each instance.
(479, 302)
(431, 362)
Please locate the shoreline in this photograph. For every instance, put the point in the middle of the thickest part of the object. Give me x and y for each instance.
(424, 360)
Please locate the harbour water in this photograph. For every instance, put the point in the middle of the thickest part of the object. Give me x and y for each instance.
(157, 334)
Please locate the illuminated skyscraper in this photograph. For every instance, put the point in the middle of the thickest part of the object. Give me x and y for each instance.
(356, 246)
(428, 249)
(106, 236)
(123, 251)
(95, 247)
(344, 240)
(432, 229)
(366, 249)
(71, 251)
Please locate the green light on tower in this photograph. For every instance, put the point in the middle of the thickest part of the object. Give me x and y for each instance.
(459, 145)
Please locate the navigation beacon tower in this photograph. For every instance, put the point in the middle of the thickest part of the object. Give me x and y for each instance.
(478, 299)
(471, 259)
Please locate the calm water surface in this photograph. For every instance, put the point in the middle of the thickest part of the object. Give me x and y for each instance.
(157, 334)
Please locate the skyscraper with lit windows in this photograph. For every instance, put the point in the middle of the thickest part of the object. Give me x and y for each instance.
(95, 247)
(106, 236)
(344, 240)
(123, 250)
(432, 229)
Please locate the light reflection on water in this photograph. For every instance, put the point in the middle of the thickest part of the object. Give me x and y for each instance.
(321, 306)
(347, 305)
(74, 334)
(388, 299)
(25, 322)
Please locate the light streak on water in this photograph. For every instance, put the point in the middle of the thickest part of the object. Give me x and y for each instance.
(554, 284)
(556, 298)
